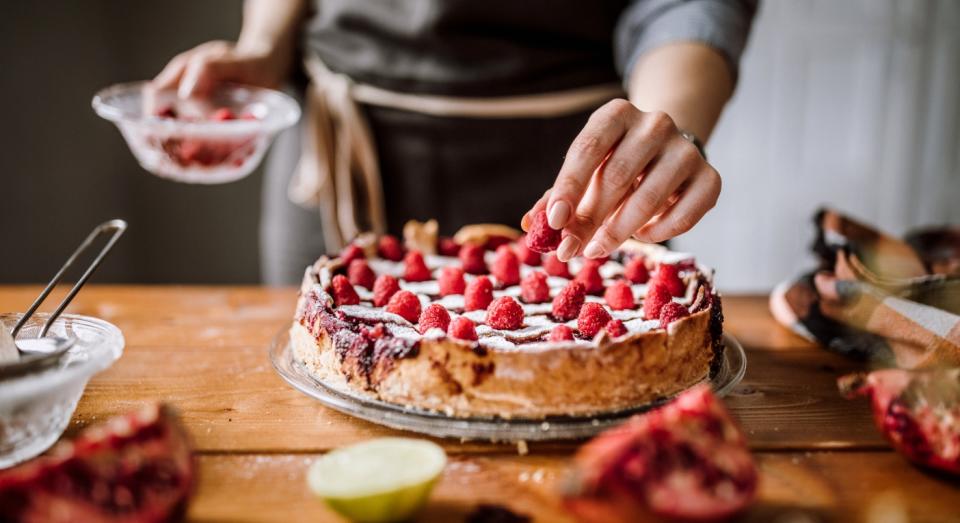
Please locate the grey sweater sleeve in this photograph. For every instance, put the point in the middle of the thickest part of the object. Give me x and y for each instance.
(647, 24)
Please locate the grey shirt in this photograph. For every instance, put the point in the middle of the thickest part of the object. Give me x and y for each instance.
(504, 47)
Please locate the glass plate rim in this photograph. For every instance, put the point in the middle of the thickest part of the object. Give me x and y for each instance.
(731, 372)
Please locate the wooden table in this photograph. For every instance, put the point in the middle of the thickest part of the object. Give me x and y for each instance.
(204, 349)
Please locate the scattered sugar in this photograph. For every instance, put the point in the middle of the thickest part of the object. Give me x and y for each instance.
(639, 325)
(476, 316)
(435, 261)
(434, 333)
(513, 291)
(421, 287)
(531, 309)
(639, 290)
(452, 302)
(627, 315)
(611, 270)
(372, 314)
(381, 266)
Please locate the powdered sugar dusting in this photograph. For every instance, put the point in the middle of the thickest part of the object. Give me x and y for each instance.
(537, 321)
(370, 314)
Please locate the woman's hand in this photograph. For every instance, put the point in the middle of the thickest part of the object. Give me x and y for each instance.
(198, 71)
(628, 173)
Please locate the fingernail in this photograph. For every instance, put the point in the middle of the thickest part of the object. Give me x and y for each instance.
(525, 222)
(568, 248)
(559, 214)
(594, 250)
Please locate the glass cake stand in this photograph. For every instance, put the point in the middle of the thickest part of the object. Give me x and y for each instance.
(496, 429)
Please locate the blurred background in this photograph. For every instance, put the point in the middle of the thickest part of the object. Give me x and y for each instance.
(850, 104)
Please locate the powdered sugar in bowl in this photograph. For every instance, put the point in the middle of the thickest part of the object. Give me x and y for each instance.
(35, 408)
(218, 139)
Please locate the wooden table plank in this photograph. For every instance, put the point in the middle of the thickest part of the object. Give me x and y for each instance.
(801, 486)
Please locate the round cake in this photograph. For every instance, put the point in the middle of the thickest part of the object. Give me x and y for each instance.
(481, 325)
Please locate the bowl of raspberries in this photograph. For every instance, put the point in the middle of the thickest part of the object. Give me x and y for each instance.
(217, 139)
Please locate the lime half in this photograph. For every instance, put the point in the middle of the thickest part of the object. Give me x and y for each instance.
(378, 481)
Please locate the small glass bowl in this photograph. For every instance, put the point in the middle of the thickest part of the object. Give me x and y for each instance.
(36, 408)
(195, 148)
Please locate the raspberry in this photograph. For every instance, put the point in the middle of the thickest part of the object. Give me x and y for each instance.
(541, 238)
(406, 305)
(462, 328)
(360, 273)
(592, 318)
(471, 256)
(166, 112)
(671, 312)
(451, 281)
(506, 266)
(378, 331)
(505, 313)
(447, 247)
(589, 276)
(343, 292)
(567, 304)
(384, 289)
(415, 269)
(615, 328)
(657, 297)
(390, 248)
(534, 288)
(669, 276)
(619, 296)
(434, 316)
(527, 257)
(223, 114)
(555, 267)
(561, 333)
(478, 295)
(636, 270)
(350, 253)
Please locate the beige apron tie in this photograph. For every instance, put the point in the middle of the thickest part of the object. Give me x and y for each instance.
(338, 171)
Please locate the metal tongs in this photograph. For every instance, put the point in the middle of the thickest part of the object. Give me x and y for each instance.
(43, 351)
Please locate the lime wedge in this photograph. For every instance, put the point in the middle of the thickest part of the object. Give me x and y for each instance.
(378, 481)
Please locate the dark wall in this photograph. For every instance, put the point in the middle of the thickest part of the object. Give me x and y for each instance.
(64, 170)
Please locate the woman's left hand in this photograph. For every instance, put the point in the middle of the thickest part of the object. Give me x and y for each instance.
(628, 173)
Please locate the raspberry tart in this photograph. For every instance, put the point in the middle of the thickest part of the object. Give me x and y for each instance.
(478, 331)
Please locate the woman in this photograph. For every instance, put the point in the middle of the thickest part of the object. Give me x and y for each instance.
(466, 111)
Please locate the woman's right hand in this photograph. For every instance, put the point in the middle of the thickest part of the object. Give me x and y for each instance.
(198, 71)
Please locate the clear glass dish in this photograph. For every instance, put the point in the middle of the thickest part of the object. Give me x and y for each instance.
(195, 148)
(36, 408)
(731, 371)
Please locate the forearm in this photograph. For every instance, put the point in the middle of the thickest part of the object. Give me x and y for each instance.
(270, 27)
(689, 81)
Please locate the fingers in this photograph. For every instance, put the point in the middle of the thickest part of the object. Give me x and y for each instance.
(603, 130)
(617, 178)
(170, 76)
(653, 194)
(197, 71)
(699, 197)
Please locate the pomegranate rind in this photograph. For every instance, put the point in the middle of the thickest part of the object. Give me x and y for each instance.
(687, 460)
(918, 412)
(133, 468)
